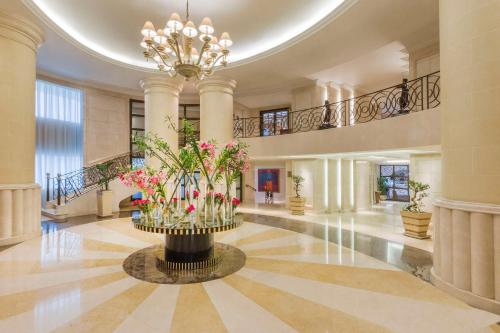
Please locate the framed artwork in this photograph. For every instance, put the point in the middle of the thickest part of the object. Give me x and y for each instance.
(268, 180)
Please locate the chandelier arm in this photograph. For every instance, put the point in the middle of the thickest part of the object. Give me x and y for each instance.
(217, 60)
(160, 55)
(178, 50)
(204, 49)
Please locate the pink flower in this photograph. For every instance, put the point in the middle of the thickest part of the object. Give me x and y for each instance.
(230, 144)
(235, 202)
(190, 209)
(174, 200)
(154, 180)
(150, 191)
(196, 194)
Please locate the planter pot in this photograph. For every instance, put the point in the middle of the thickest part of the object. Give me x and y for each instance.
(297, 205)
(377, 197)
(383, 197)
(104, 203)
(416, 224)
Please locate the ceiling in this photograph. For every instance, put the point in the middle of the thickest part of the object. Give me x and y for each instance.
(356, 28)
(382, 67)
(100, 26)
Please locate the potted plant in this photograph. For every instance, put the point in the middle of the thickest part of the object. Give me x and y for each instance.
(104, 194)
(297, 203)
(381, 193)
(415, 220)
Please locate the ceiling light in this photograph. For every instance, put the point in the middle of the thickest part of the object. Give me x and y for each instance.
(165, 47)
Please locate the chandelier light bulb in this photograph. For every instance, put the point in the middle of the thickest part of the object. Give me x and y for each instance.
(206, 26)
(225, 40)
(148, 30)
(190, 30)
(194, 54)
(175, 22)
(214, 45)
(160, 38)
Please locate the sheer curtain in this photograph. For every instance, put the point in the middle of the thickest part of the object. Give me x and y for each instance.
(59, 130)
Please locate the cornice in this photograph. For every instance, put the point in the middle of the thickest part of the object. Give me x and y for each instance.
(474, 207)
(162, 84)
(216, 83)
(21, 30)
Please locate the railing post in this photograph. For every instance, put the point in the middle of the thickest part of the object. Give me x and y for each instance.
(47, 188)
(345, 113)
(58, 189)
(427, 90)
(422, 94)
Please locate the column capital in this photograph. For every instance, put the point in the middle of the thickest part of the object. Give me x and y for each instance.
(173, 86)
(21, 30)
(216, 84)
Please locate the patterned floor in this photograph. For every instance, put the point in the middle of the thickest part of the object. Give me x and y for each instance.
(71, 280)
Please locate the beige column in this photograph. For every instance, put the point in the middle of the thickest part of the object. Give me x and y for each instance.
(362, 185)
(216, 109)
(161, 99)
(470, 63)
(347, 183)
(334, 185)
(320, 186)
(19, 194)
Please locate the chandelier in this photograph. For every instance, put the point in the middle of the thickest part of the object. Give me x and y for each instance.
(173, 48)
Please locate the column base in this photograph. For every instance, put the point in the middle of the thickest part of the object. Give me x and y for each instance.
(487, 304)
(20, 211)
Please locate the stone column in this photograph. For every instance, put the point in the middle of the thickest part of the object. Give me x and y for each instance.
(347, 182)
(216, 109)
(470, 62)
(20, 200)
(161, 98)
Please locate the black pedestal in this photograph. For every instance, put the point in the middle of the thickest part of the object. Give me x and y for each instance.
(189, 248)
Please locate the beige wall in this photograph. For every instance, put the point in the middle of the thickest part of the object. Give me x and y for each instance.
(107, 128)
(426, 168)
(418, 129)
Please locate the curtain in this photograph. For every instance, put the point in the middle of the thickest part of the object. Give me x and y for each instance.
(59, 130)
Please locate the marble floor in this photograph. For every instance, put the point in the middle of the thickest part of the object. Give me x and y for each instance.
(383, 221)
(296, 279)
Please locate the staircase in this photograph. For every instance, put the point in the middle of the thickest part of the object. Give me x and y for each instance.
(62, 191)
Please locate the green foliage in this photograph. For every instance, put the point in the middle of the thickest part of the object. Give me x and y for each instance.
(297, 184)
(105, 174)
(417, 190)
(382, 185)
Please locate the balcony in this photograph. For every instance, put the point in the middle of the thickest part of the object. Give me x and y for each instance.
(403, 99)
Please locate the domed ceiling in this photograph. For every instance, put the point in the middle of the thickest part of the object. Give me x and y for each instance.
(111, 28)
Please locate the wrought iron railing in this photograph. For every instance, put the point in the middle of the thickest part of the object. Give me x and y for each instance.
(64, 188)
(410, 96)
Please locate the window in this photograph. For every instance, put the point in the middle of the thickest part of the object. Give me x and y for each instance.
(397, 181)
(59, 130)
(274, 122)
(136, 128)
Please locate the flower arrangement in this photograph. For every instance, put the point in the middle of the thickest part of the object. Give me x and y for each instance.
(207, 197)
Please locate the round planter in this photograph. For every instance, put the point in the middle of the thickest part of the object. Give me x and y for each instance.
(297, 205)
(416, 224)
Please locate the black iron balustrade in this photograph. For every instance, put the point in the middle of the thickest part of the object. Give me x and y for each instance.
(410, 96)
(64, 188)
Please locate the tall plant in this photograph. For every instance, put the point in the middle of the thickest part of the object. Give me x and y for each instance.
(105, 174)
(382, 185)
(418, 193)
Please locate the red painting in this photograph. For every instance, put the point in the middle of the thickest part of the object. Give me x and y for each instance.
(268, 180)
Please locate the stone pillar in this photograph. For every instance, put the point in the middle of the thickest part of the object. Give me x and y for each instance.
(20, 200)
(216, 109)
(161, 99)
(334, 186)
(320, 186)
(471, 152)
(347, 182)
(362, 185)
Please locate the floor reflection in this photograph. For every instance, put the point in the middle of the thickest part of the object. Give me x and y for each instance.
(410, 259)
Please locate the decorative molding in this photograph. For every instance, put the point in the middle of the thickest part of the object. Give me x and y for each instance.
(19, 186)
(216, 84)
(468, 206)
(162, 84)
(21, 30)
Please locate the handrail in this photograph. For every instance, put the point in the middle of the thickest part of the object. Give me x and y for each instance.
(64, 188)
(410, 96)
